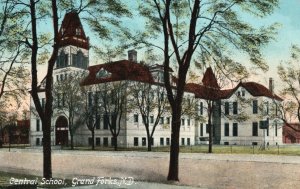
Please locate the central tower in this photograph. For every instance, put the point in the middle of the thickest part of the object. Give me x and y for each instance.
(73, 54)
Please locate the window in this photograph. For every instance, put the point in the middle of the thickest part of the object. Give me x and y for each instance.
(201, 108)
(254, 143)
(161, 120)
(168, 141)
(201, 129)
(168, 120)
(275, 128)
(79, 60)
(182, 122)
(136, 141)
(235, 129)
(254, 106)
(226, 129)
(114, 118)
(188, 141)
(135, 118)
(43, 103)
(226, 108)
(151, 119)
(57, 78)
(62, 60)
(37, 141)
(105, 121)
(161, 141)
(78, 31)
(226, 143)
(235, 107)
(182, 141)
(267, 131)
(37, 125)
(90, 141)
(98, 141)
(58, 100)
(98, 122)
(207, 128)
(243, 92)
(254, 129)
(144, 141)
(152, 141)
(238, 93)
(90, 99)
(105, 141)
(188, 122)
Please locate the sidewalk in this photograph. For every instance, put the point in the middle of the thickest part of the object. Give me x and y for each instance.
(195, 170)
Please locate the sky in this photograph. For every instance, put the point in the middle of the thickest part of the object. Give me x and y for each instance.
(287, 14)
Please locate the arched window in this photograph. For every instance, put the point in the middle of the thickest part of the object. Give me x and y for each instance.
(62, 60)
(79, 60)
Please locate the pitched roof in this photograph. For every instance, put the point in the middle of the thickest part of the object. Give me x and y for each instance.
(208, 93)
(209, 79)
(210, 89)
(118, 71)
(71, 31)
(256, 89)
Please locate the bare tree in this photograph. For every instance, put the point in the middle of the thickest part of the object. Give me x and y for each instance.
(210, 28)
(69, 101)
(113, 98)
(150, 99)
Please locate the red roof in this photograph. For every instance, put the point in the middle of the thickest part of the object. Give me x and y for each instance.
(210, 89)
(118, 71)
(71, 31)
(256, 89)
(209, 79)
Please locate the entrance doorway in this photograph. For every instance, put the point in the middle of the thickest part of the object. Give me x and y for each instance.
(61, 131)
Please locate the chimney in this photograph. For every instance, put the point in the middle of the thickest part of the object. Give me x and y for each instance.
(132, 55)
(271, 85)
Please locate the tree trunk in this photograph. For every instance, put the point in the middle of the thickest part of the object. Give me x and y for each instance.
(72, 141)
(149, 144)
(174, 149)
(47, 149)
(210, 128)
(93, 139)
(149, 139)
(115, 138)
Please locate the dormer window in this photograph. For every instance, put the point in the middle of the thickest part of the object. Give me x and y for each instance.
(78, 31)
(102, 74)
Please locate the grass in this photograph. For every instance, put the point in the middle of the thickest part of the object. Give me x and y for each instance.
(217, 149)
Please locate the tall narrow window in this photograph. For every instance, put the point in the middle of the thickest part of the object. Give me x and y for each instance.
(105, 121)
(182, 122)
(275, 128)
(201, 108)
(37, 125)
(182, 142)
(136, 141)
(235, 129)
(201, 129)
(188, 122)
(254, 106)
(254, 129)
(226, 108)
(235, 107)
(151, 119)
(161, 120)
(136, 118)
(226, 129)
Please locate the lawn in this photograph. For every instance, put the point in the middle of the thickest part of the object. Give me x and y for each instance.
(218, 149)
